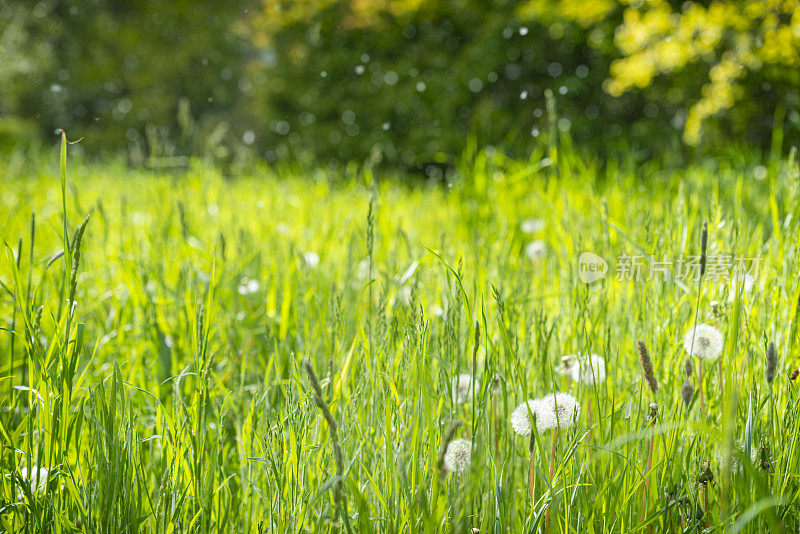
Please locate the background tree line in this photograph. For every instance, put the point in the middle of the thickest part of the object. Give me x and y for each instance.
(401, 82)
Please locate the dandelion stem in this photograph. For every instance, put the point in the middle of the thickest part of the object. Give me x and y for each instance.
(531, 449)
(552, 468)
(530, 476)
(646, 484)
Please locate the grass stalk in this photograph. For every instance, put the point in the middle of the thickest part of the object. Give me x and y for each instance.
(338, 496)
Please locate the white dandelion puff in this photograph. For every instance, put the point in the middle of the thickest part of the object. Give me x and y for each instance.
(531, 226)
(458, 455)
(462, 389)
(556, 410)
(732, 460)
(566, 365)
(311, 259)
(551, 411)
(362, 270)
(497, 384)
(403, 296)
(743, 282)
(703, 341)
(584, 368)
(589, 369)
(37, 478)
(535, 250)
(248, 286)
(521, 417)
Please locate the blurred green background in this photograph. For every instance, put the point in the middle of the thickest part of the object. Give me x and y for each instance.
(406, 83)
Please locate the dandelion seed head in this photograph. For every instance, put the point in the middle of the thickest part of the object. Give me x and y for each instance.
(566, 365)
(704, 342)
(362, 270)
(311, 259)
(531, 226)
(521, 417)
(248, 286)
(497, 384)
(743, 282)
(536, 250)
(458, 455)
(463, 389)
(732, 459)
(551, 411)
(589, 369)
(729, 461)
(565, 408)
(37, 478)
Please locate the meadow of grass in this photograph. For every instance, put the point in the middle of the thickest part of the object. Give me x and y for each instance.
(152, 371)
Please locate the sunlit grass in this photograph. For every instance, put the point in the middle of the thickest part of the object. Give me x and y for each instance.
(172, 396)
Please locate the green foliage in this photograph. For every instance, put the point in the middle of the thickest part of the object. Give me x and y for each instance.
(397, 82)
(115, 73)
(409, 85)
(429, 73)
(743, 57)
(169, 394)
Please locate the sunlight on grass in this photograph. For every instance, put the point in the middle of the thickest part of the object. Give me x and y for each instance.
(152, 365)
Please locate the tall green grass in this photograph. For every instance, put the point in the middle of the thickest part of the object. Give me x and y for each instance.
(156, 388)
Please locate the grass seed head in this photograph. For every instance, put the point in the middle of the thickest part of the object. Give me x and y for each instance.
(703, 246)
(687, 392)
(647, 366)
(688, 369)
(772, 361)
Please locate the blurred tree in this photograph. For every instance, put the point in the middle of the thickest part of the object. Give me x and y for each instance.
(409, 81)
(734, 60)
(106, 69)
(396, 81)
